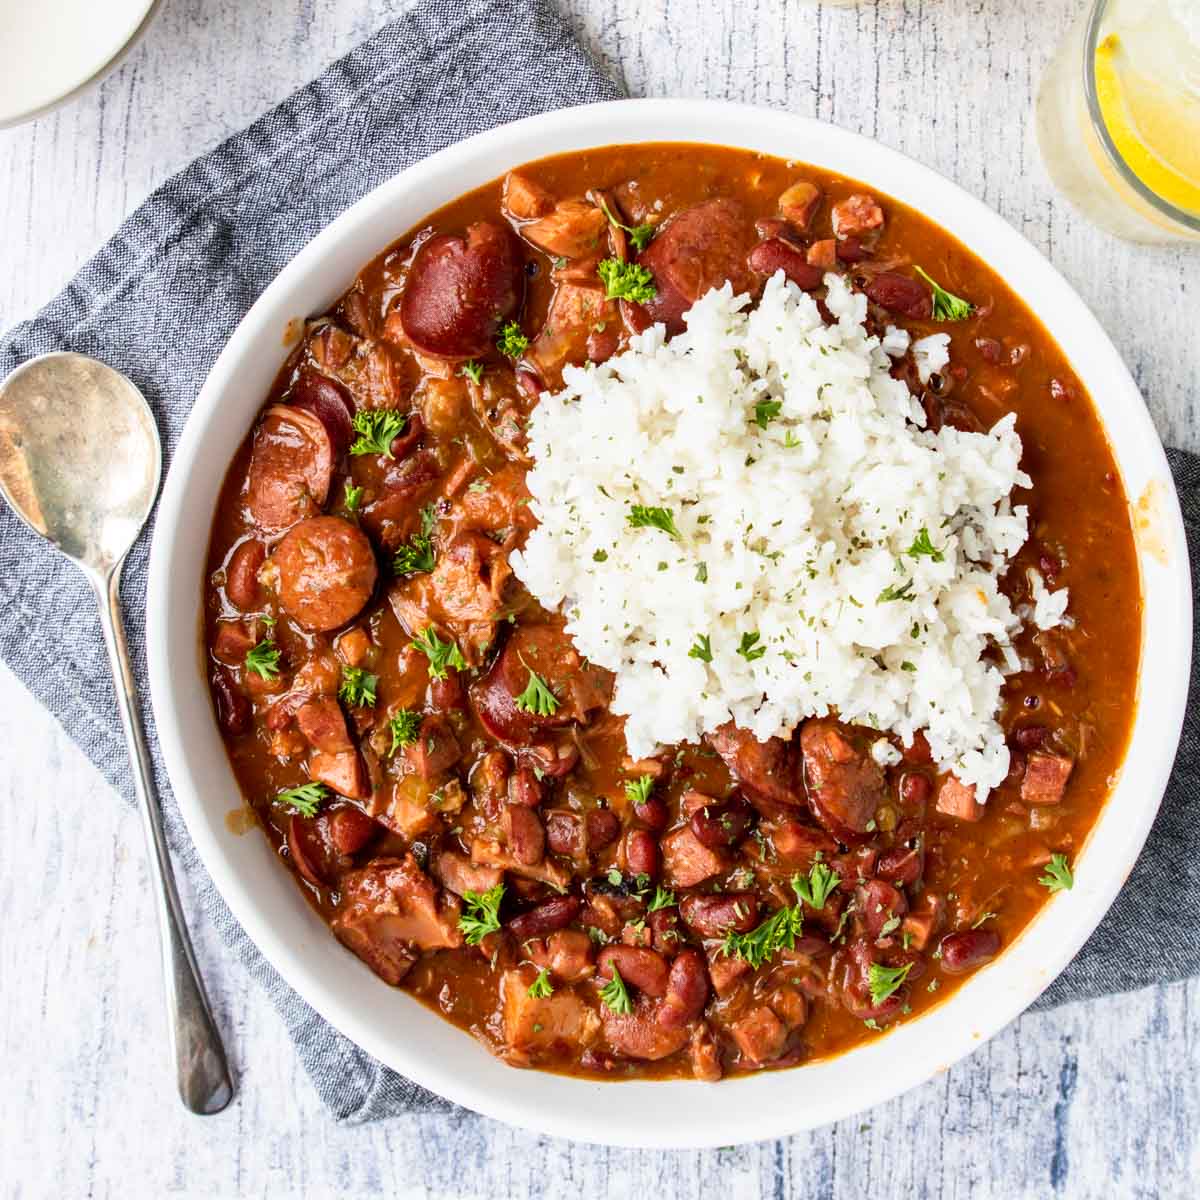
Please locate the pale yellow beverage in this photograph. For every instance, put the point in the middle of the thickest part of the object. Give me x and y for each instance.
(1118, 118)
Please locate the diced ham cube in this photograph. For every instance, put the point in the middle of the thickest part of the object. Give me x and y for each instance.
(323, 725)
(1046, 778)
(343, 772)
(523, 199)
(957, 800)
(823, 254)
(856, 216)
(687, 861)
(760, 1035)
(799, 202)
(534, 1023)
(435, 750)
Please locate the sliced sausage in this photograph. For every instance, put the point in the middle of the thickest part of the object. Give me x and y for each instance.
(696, 250)
(460, 291)
(766, 770)
(327, 572)
(845, 785)
(291, 466)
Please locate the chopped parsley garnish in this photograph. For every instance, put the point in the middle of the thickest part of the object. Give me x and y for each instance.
(637, 791)
(626, 281)
(263, 659)
(663, 898)
(1058, 877)
(358, 687)
(615, 994)
(483, 914)
(512, 343)
(893, 592)
(643, 516)
(418, 556)
(816, 889)
(537, 698)
(946, 305)
(923, 547)
(305, 799)
(472, 369)
(765, 411)
(749, 649)
(442, 655)
(541, 987)
(639, 235)
(702, 649)
(883, 981)
(405, 727)
(702, 573)
(761, 944)
(600, 556)
(353, 497)
(377, 428)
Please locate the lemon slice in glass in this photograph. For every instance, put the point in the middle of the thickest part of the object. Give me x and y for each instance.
(1155, 127)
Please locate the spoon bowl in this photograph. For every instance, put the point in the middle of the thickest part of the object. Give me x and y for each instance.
(80, 463)
(80, 458)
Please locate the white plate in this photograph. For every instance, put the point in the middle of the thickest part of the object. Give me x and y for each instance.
(51, 50)
(394, 1027)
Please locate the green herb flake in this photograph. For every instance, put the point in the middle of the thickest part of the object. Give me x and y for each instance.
(305, 799)
(377, 428)
(946, 305)
(483, 914)
(883, 980)
(817, 888)
(1058, 876)
(663, 898)
(358, 687)
(615, 995)
(643, 516)
(512, 343)
(541, 988)
(626, 281)
(405, 727)
(472, 369)
(263, 659)
(442, 655)
(537, 698)
(749, 648)
(701, 649)
(923, 547)
(637, 791)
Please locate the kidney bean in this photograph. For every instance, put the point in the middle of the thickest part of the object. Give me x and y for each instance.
(1029, 737)
(524, 788)
(717, 826)
(641, 852)
(555, 760)
(990, 349)
(241, 576)
(777, 227)
(969, 948)
(349, 829)
(603, 827)
(652, 813)
(777, 255)
(233, 709)
(446, 694)
(715, 916)
(901, 294)
(329, 402)
(525, 834)
(687, 990)
(564, 833)
(902, 866)
(914, 792)
(548, 917)
(880, 904)
(851, 250)
(645, 969)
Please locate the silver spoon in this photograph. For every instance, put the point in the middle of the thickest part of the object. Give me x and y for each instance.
(80, 462)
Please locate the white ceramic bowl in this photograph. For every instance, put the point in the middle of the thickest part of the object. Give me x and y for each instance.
(394, 1027)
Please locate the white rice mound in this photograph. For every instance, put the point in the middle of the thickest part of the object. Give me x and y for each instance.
(806, 532)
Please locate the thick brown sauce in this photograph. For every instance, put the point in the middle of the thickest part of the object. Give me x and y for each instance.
(1079, 514)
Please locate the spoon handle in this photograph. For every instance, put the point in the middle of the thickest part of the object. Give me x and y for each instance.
(205, 1084)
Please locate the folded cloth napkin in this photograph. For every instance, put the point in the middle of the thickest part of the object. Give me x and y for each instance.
(160, 300)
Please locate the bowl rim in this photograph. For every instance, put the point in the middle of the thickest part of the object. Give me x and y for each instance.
(667, 1114)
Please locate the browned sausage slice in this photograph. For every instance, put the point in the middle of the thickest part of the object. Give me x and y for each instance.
(845, 786)
(696, 250)
(459, 292)
(326, 572)
(291, 465)
(329, 402)
(767, 770)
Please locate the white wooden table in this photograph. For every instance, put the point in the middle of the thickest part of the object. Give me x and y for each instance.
(1096, 1100)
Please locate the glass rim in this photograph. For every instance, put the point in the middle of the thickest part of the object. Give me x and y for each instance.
(1165, 207)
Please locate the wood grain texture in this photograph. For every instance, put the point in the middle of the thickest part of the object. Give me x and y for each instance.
(1094, 1100)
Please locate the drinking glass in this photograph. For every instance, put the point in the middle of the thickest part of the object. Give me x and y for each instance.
(1118, 118)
